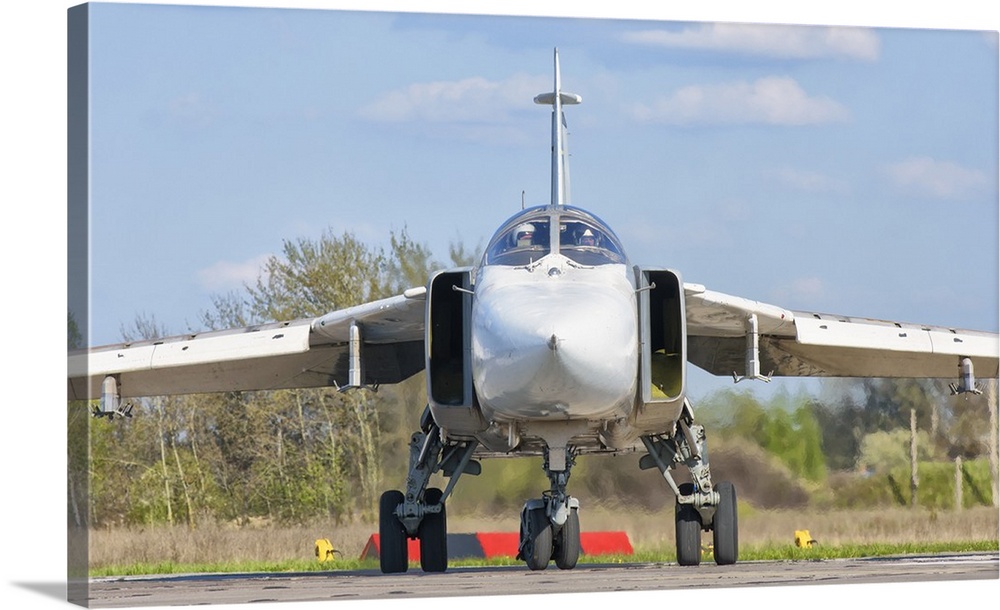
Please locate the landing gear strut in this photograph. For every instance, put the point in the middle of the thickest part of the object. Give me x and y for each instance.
(550, 525)
(701, 505)
(420, 512)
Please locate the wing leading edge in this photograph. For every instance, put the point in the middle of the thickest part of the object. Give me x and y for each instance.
(733, 336)
(303, 353)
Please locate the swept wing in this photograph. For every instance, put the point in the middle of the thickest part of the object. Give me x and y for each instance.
(732, 335)
(298, 354)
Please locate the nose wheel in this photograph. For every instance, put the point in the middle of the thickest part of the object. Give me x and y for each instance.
(550, 532)
(536, 537)
(567, 542)
(550, 525)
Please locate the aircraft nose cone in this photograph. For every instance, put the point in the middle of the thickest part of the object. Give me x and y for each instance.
(555, 350)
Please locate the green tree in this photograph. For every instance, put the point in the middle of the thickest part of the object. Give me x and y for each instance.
(851, 409)
(409, 264)
(965, 426)
(77, 452)
(74, 339)
(289, 454)
(316, 277)
(883, 451)
(842, 426)
(327, 443)
(462, 257)
(888, 403)
(786, 427)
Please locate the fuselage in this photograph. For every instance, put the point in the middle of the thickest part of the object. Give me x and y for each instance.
(554, 327)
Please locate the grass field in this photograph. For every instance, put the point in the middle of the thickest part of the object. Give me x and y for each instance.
(763, 535)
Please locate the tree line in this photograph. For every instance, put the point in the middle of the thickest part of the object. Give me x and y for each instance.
(287, 455)
(855, 423)
(863, 427)
(295, 455)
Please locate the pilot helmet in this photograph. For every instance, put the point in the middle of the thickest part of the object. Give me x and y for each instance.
(587, 237)
(523, 234)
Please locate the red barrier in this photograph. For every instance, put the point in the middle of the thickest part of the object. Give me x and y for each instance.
(504, 544)
(499, 544)
(605, 543)
(371, 549)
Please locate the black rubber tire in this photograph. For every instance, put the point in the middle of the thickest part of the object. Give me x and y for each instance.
(567, 544)
(539, 549)
(687, 522)
(393, 556)
(725, 526)
(433, 534)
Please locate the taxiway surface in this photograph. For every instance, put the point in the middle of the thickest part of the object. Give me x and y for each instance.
(370, 584)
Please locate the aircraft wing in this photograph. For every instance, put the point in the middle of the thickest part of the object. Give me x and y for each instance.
(299, 354)
(722, 330)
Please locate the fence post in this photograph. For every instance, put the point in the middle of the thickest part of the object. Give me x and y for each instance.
(991, 400)
(914, 480)
(958, 483)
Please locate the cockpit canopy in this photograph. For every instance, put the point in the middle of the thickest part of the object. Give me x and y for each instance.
(538, 231)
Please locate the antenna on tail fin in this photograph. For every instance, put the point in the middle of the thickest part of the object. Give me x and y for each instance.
(560, 157)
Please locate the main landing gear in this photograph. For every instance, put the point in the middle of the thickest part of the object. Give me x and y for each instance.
(420, 512)
(550, 525)
(701, 506)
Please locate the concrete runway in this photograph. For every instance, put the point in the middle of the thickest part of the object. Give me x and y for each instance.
(510, 581)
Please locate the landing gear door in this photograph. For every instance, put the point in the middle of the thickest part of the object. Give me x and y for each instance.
(663, 349)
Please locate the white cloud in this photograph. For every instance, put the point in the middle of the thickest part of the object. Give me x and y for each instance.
(807, 181)
(474, 99)
(191, 110)
(771, 100)
(991, 39)
(227, 275)
(801, 290)
(927, 177)
(779, 41)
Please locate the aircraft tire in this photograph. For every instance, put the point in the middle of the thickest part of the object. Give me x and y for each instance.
(393, 556)
(688, 530)
(725, 530)
(539, 549)
(567, 550)
(433, 535)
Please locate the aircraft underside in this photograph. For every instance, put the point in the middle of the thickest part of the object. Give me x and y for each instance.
(550, 524)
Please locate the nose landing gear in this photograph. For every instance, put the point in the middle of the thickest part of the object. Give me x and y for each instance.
(550, 525)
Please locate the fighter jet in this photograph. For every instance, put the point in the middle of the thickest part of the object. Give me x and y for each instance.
(554, 345)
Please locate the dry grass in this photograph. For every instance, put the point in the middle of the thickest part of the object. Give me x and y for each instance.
(654, 532)
(214, 543)
(218, 543)
(893, 525)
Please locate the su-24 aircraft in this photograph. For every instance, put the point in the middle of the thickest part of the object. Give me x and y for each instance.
(554, 345)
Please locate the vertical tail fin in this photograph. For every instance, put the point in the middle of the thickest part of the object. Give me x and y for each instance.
(560, 157)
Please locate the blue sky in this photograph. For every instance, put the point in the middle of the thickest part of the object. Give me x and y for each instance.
(883, 203)
(844, 170)
(849, 170)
